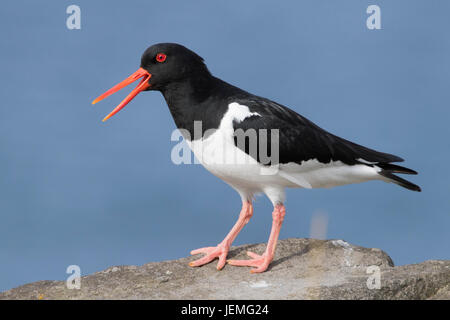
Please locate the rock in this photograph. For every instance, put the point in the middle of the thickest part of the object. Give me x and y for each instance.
(302, 269)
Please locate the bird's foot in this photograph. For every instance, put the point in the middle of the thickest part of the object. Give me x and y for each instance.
(260, 262)
(220, 251)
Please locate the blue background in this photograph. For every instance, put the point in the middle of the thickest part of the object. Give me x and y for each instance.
(74, 190)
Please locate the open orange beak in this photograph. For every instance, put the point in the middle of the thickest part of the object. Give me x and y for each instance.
(140, 73)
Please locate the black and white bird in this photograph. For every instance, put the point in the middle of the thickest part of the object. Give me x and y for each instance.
(252, 143)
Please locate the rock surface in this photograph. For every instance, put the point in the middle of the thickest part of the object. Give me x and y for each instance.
(302, 269)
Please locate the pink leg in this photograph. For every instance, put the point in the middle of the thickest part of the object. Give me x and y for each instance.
(221, 250)
(261, 262)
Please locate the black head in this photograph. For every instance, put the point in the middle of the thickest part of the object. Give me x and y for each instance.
(162, 65)
(170, 63)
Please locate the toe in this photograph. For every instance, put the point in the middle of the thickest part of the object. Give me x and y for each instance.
(210, 254)
(202, 250)
(243, 263)
(222, 261)
(260, 268)
(259, 262)
(202, 261)
(253, 255)
(239, 263)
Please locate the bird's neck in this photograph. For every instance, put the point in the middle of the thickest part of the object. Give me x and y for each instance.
(187, 93)
(197, 99)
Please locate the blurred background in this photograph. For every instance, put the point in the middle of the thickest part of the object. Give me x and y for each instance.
(74, 190)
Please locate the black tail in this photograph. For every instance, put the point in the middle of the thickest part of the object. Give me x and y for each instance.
(388, 171)
(395, 168)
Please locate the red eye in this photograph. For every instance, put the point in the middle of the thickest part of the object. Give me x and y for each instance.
(161, 57)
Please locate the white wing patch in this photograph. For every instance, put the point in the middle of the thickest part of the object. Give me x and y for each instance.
(236, 112)
(365, 161)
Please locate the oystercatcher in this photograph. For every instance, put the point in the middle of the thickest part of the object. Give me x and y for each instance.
(252, 143)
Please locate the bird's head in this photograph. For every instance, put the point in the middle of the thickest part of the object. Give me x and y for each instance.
(161, 65)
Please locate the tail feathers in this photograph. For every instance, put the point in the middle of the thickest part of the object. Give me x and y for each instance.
(393, 168)
(400, 181)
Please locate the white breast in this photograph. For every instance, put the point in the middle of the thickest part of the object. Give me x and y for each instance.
(219, 154)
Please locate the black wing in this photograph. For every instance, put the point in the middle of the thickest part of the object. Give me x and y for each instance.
(299, 138)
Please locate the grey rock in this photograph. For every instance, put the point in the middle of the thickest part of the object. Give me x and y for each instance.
(302, 269)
